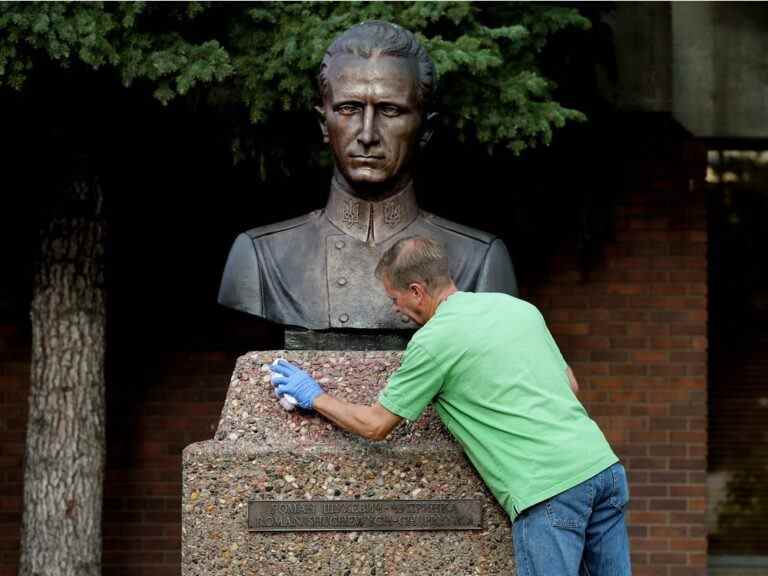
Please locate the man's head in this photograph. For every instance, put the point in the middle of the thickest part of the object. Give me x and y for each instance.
(416, 276)
(377, 84)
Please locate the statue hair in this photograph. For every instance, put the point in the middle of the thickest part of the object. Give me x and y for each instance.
(376, 37)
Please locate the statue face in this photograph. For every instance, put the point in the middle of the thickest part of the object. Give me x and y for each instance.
(372, 119)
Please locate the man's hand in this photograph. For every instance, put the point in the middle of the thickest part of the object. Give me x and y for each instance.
(294, 381)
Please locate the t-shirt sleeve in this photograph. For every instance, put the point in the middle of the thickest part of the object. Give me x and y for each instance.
(413, 386)
(553, 347)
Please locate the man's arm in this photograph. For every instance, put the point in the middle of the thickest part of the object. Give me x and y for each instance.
(572, 380)
(373, 422)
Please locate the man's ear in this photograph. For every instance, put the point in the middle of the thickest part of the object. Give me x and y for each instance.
(322, 121)
(430, 121)
(418, 290)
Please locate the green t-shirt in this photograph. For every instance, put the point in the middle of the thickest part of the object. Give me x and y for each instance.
(499, 384)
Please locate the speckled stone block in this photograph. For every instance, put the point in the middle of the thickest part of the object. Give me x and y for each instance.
(262, 452)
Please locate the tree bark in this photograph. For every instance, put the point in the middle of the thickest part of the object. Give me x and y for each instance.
(65, 445)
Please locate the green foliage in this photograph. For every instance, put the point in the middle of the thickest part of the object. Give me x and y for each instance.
(266, 55)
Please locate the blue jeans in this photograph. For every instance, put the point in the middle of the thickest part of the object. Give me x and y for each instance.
(580, 532)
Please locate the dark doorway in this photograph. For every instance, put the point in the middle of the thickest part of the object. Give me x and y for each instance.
(738, 360)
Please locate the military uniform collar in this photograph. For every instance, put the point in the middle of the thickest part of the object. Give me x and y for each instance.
(372, 222)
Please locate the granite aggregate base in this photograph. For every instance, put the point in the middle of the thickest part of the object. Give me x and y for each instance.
(262, 452)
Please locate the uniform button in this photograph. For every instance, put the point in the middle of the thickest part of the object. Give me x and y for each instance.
(344, 318)
(341, 281)
(404, 318)
(339, 244)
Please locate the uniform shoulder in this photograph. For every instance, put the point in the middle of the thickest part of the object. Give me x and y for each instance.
(274, 228)
(467, 231)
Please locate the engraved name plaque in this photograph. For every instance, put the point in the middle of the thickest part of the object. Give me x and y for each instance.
(353, 515)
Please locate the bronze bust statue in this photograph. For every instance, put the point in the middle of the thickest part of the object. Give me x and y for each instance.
(317, 271)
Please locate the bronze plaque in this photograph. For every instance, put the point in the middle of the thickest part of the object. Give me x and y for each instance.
(354, 515)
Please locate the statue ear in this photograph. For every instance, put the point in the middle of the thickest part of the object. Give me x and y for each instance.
(430, 120)
(321, 120)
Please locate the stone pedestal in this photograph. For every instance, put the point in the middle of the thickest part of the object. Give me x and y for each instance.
(262, 452)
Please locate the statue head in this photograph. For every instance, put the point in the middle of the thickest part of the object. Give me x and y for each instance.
(377, 83)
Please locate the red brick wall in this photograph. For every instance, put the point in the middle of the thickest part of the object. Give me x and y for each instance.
(176, 402)
(142, 500)
(635, 333)
(14, 385)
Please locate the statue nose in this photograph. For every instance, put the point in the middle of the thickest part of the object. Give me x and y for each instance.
(369, 134)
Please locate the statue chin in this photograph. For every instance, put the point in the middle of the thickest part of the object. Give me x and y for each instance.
(371, 186)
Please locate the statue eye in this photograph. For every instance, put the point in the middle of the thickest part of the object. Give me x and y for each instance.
(390, 111)
(347, 109)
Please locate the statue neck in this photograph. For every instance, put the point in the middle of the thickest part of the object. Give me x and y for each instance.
(371, 220)
(372, 193)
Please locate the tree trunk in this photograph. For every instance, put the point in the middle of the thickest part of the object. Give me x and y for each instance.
(65, 446)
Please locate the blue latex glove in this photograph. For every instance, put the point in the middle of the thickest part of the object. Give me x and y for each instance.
(294, 381)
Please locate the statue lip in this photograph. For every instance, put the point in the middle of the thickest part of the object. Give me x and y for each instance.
(368, 156)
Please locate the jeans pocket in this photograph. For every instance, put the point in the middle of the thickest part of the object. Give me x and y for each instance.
(620, 492)
(570, 509)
